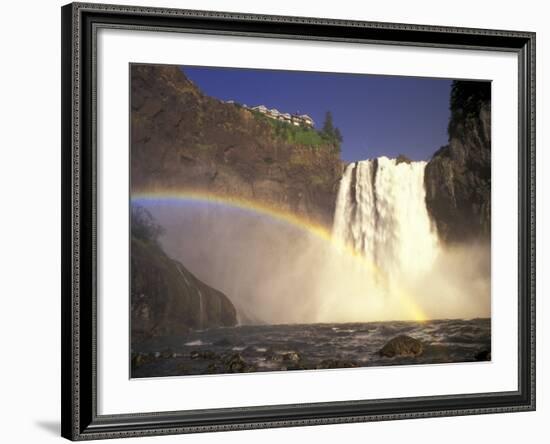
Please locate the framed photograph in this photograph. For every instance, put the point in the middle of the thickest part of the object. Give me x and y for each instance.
(278, 221)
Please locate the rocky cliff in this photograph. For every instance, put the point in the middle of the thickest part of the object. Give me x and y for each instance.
(458, 177)
(166, 299)
(183, 139)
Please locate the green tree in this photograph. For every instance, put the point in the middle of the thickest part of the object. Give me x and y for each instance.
(330, 132)
(328, 126)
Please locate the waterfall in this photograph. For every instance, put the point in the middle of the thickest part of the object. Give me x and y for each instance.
(199, 294)
(201, 310)
(381, 214)
(386, 262)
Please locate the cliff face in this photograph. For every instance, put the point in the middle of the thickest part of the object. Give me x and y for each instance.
(458, 177)
(166, 299)
(183, 139)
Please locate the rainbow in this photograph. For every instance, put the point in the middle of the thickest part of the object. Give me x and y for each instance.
(275, 213)
(278, 214)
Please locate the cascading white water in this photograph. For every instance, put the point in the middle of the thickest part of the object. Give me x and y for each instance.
(381, 218)
(199, 294)
(201, 309)
(381, 213)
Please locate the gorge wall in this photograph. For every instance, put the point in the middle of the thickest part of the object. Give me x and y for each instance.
(458, 177)
(167, 299)
(182, 139)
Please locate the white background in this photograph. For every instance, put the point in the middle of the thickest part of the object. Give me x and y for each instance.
(29, 222)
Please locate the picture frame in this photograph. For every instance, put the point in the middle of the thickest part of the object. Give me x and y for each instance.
(80, 212)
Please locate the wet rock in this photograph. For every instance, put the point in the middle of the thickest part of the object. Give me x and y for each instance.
(214, 368)
(402, 346)
(483, 355)
(271, 355)
(203, 354)
(209, 355)
(336, 363)
(292, 357)
(139, 359)
(235, 363)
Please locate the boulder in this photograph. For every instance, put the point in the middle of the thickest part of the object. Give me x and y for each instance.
(138, 359)
(402, 345)
(203, 354)
(292, 357)
(235, 363)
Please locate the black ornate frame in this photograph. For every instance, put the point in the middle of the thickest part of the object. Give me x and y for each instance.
(80, 22)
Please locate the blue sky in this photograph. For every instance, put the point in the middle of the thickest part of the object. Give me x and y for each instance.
(377, 115)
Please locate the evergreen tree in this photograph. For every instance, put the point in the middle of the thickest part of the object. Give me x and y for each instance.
(328, 126)
(330, 132)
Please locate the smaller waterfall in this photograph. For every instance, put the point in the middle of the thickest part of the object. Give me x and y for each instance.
(201, 303)
(201, 310)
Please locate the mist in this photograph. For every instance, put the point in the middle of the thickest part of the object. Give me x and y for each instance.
(276, 273)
